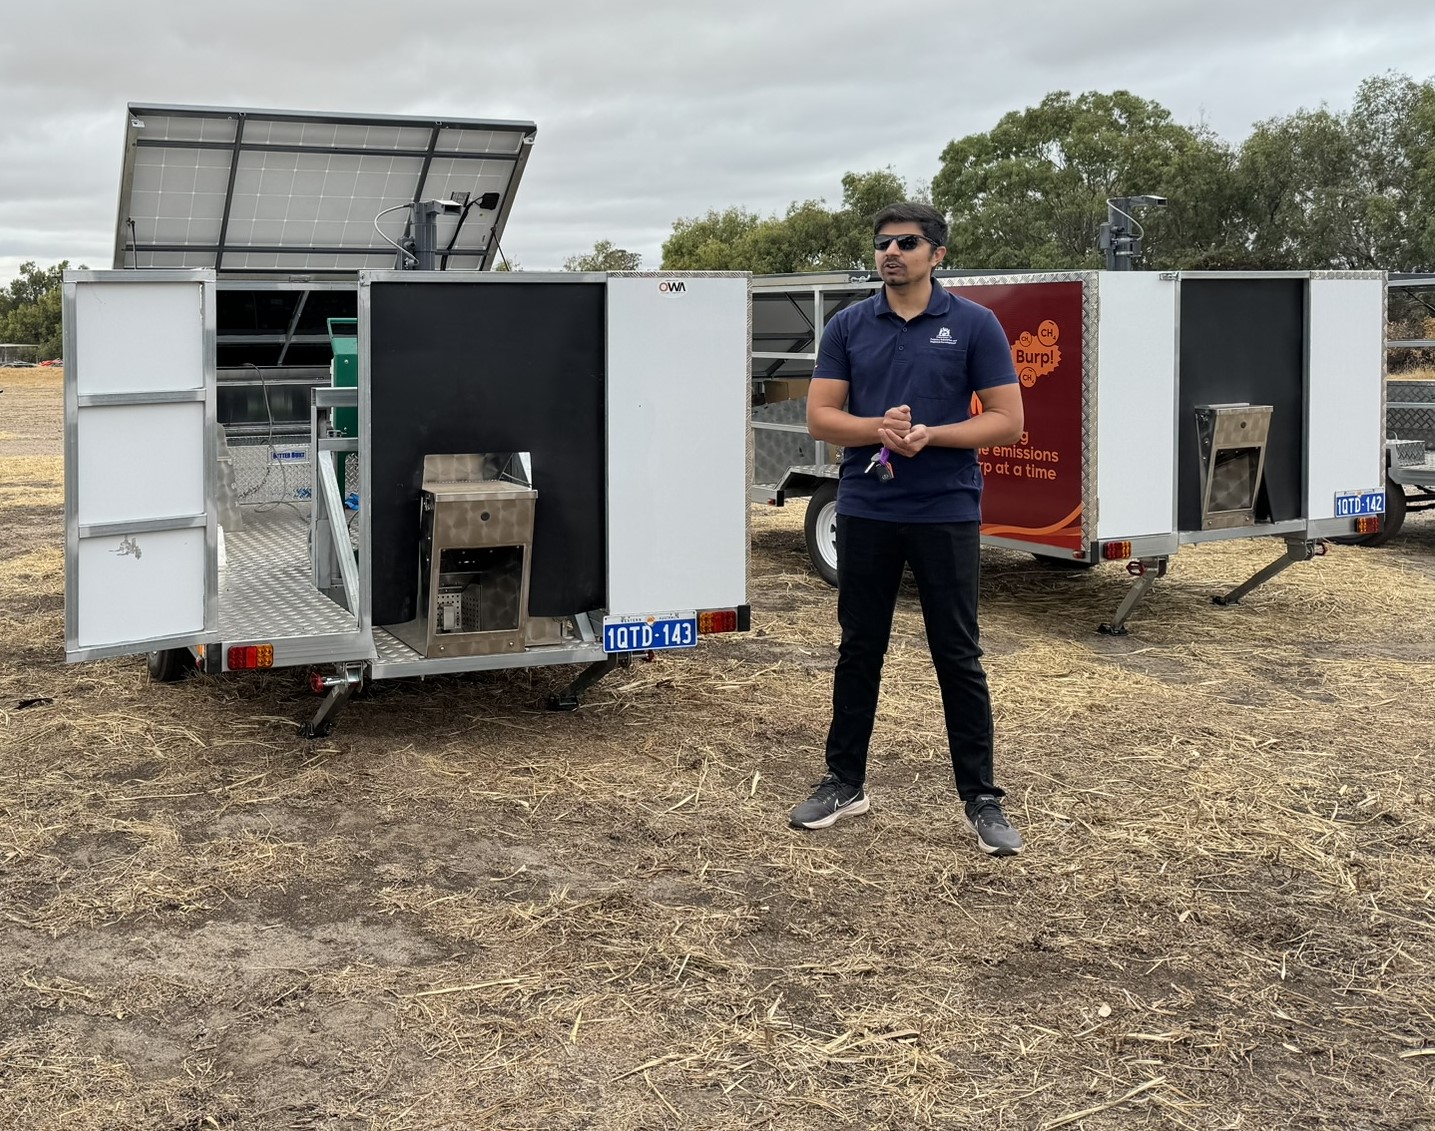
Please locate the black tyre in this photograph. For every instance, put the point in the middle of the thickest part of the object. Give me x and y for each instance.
(1393, 518)
(821, 530)
(170, 665)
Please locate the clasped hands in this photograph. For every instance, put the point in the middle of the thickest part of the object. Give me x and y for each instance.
(899, 435)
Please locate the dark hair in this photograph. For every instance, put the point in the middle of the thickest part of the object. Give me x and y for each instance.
(934, 224)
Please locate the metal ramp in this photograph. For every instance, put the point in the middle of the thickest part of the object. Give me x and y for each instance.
(267, 593)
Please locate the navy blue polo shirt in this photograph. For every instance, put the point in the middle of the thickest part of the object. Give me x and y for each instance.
(934, 363)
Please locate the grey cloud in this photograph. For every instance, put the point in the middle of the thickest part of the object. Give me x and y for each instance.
(651, 112)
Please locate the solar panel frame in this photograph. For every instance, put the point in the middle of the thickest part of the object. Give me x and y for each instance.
(266, 193)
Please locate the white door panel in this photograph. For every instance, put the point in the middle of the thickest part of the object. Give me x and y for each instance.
(1345, 446)
(678, 423)
(137, 587)
(138, 337)
(140, 462)
(141, 534)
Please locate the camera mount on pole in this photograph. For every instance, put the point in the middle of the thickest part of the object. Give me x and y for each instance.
(1118, 240)
(420, 241)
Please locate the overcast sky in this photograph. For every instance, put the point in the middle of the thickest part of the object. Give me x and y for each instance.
(650, 111)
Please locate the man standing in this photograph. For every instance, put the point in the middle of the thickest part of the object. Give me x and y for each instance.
(893, 386)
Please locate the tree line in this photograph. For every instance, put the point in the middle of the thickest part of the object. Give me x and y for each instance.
(1315, 189)
(30, 309)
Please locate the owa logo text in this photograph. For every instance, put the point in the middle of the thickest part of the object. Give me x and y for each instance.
(676, 287)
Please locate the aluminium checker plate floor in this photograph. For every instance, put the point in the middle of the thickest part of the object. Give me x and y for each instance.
(1417, 474)
(392, 650)
(267, 591)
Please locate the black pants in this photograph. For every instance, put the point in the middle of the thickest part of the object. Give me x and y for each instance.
(945, 560)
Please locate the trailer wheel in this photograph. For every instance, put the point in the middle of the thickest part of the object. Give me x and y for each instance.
(821, 529)
(1393, 518)
(170, 665)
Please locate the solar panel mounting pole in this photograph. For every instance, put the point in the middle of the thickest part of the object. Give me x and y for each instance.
(1121, 246)
(423, 224)
(425, 234)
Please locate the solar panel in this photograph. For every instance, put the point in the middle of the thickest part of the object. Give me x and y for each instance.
(262, 193)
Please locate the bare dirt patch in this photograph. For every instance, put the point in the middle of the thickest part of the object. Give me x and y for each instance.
(30, 423)
(461, 911)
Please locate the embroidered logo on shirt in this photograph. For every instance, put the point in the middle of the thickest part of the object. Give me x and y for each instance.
(943, 338)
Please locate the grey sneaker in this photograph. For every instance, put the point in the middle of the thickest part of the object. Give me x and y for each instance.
(833, 800)
(995, 835)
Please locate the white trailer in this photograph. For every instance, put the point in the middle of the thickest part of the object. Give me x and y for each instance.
(1409, 423)
(507, 497)
(1162, 409)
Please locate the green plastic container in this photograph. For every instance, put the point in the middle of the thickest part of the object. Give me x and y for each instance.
(344, 341)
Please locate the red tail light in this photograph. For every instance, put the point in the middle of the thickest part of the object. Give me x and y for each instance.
(1115, 551)
(718, 620)
(250, 657)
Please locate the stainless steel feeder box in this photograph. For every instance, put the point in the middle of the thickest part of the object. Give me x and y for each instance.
(1233, 456)
(476, 540)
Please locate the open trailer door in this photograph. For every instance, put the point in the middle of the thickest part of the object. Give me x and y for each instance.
(679, 457)
(141, 531)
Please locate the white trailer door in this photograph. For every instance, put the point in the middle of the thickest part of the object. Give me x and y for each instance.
(1136, 424)
(678, 448)
(1345, 418)
(140, 523)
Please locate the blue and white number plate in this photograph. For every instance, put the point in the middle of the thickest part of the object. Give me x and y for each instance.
(650, 633)
(1358, 504)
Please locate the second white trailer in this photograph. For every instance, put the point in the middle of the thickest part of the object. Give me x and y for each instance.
(1162, 409)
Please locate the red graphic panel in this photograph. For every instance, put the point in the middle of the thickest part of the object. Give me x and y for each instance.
(1033, 487)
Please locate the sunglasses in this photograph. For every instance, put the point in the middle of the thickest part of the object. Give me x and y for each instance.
(906, 243)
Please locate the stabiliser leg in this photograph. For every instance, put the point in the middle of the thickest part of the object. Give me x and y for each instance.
(1146, 571)
(570, 697)
(1297, 550)
(338, 689)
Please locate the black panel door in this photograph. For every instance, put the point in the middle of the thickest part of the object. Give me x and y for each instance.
(1243, 340)
(490, 367)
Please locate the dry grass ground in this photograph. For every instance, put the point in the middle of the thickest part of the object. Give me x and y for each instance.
(462, 912)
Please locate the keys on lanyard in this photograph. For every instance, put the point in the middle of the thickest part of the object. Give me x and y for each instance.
(882, 465)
